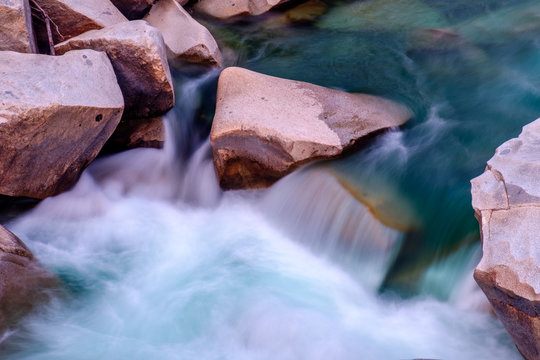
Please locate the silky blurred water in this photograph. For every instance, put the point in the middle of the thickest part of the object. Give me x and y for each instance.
(365, 257)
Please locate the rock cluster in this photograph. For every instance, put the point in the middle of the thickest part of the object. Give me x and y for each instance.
(506, 199)
(57, 112)
(265, 127)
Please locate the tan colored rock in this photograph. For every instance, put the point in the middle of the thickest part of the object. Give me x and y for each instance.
(56, 112)
(138, 56)
(23, 282)
(16, 32)
(133, 9)
(74, 17)
(265, 127)
(185, 38)
(224, 9)
(506, 198)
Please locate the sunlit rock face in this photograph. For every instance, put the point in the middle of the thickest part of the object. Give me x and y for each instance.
(74, 17)
(23, 282)
(265, 127)
(506, 198)
(138, 56)
(16, 33)
(56, 112)
(224, 9)
(192, 43)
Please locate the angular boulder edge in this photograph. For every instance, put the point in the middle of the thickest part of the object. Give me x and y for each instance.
(266, 127)
(506, 200)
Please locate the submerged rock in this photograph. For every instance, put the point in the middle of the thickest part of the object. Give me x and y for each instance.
(137, 53)
(506, 199)
(502, 25)
(23, 282)
(389, 15)
(73, 17)
(56, 112)
(133, 9)
(224, 9)
(265, 127)
(185, 38)
(16, 32)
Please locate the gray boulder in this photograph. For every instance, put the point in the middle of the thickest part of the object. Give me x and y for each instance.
(506, 199)
(265, 127)
(56, 112)
(139, 59)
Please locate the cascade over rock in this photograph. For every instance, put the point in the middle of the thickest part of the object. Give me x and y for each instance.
(56, 112)
(265, 127)
(506, 199)
(223, 9)
(137, 53)
(23, 282)
(74, 17)
(133, 9)
(185, 38)
(16, 32)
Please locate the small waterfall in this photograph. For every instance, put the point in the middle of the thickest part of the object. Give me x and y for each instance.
(316, 210)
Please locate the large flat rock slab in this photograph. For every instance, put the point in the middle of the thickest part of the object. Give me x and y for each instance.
(74, 17)
(23, 282)
(265, 127)
(506, 198)
(185, 38)
(139, 59)
(16, 32)
(224, 9)
(56, 112)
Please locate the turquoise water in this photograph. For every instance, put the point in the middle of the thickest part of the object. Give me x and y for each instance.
(159, 263)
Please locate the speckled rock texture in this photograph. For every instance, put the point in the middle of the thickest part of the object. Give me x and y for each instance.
(139, 59)
(133, 9)
(224, 9)
(185, 38)
(506, 199)
(23, 282)
(56, 112)
(74, 17)
(265, 127)
(16, 32)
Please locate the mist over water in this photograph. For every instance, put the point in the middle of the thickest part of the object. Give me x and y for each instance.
(148, 276)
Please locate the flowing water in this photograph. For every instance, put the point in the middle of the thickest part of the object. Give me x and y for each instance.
(365, 257)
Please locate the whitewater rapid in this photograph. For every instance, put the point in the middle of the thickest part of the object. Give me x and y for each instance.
(150, 275)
